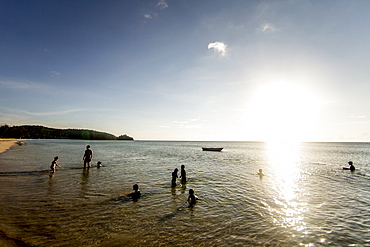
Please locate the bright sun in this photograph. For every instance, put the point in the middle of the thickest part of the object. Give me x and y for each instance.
(282, 112)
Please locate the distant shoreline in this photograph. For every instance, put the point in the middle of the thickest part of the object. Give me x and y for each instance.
(7, 143)
(42, 132)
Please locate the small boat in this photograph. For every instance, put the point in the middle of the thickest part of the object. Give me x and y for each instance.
(212, 149)
(20, 143)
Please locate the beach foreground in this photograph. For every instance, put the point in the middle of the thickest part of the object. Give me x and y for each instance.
(5, 144)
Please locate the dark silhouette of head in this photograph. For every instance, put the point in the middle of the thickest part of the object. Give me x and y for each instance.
(135, 187)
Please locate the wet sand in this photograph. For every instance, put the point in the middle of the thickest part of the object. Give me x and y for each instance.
(5, 144)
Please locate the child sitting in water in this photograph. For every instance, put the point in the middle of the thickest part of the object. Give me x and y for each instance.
(192, 199)
(136, 194)
(99, 164)
(54, 164)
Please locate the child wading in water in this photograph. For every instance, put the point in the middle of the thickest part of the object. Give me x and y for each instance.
(54, 164)
(260, 172)
(87, 157)
(174, 176)
(192, 199)
(183, 174)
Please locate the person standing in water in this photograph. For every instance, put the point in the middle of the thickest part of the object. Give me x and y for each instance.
(183, 174)
(260, 172)
(87, 156)
(54, 164)
(174, 176)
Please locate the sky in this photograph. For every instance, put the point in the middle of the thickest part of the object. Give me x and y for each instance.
(189, 70)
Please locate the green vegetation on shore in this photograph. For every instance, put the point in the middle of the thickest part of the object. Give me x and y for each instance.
(41, 132)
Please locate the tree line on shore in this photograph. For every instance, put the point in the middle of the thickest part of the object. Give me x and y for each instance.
(42, 132)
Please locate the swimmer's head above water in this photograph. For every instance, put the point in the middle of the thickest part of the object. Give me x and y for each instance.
(135, 187)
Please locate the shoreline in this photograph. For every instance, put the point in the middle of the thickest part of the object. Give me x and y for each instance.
(5, 144)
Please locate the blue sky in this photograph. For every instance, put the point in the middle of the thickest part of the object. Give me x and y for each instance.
(189, 70)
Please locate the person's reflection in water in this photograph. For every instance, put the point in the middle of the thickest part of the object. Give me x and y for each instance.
(173, 191)
(51, 183)
(85, 180)
(183, 188)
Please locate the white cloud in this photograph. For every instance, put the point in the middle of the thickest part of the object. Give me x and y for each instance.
(219, 47)
(267, 28)
(54, 74)
(53, 112)
(147, 16)
(162, 4)
(179, 122)
(21, 85)
(29, 113)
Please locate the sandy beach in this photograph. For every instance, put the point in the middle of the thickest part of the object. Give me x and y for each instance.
(5, 144)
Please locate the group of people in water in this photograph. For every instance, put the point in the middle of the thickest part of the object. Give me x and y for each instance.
(192, 199)
(87, 158)
(175, 176)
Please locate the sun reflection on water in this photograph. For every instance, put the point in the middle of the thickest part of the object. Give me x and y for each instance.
(284, 161)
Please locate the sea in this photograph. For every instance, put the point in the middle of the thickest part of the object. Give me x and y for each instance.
(303, 198)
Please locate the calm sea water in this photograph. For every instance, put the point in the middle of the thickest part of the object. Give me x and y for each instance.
(304, 199)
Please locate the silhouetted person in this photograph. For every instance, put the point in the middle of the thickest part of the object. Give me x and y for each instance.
(351, 166)
(260, 172)
(174, 176)
(136, 194)
(183, 174)
(87, 156)
(99, 164)
(54, 164)
(192, 199)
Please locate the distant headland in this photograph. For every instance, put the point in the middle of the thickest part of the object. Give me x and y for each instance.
(42, 132)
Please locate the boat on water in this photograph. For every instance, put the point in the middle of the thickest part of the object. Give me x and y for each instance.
(20, 143)
(212, 149)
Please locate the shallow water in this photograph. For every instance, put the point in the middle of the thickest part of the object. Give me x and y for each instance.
(305, 197)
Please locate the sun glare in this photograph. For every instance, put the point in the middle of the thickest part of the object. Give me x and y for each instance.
(284, 160)
(282, 112)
